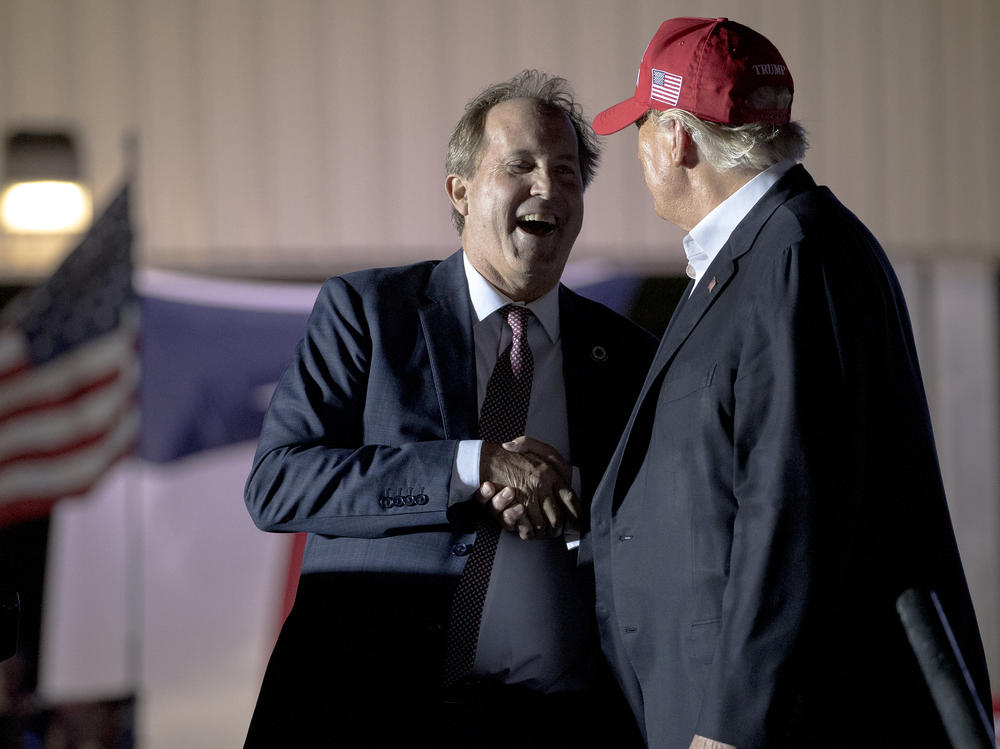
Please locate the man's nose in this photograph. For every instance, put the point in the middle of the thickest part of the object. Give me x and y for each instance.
(541, 182)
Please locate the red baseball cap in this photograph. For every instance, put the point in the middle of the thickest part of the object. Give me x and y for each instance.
(707, 66)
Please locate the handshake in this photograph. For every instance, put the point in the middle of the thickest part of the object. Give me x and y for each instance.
(527, 487)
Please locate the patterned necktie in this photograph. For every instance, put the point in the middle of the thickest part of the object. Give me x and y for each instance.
(502, 418)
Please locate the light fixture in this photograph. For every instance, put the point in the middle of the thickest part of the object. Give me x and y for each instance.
(42, 190)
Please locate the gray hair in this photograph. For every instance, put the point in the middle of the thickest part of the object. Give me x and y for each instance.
(754, 146)
(551, 93)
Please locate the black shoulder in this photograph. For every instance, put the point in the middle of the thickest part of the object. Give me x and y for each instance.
(402, 277)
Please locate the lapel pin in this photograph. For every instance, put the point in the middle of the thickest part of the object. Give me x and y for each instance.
(599, 353)
(711, 285)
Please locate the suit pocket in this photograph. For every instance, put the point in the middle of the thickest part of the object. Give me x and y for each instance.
(702, 640)
(683, 381)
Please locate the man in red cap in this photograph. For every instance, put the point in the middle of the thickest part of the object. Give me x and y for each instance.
(777, 486)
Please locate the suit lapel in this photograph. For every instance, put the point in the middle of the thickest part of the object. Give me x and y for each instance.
(446, 319)
(577, 364)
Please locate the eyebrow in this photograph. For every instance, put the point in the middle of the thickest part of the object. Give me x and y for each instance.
(569, 156)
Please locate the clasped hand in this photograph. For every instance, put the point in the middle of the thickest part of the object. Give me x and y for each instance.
(526, 485)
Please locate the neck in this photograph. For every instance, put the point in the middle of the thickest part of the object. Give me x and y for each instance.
(710, 188)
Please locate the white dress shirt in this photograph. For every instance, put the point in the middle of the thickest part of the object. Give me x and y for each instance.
(710, 235)
(530, 632)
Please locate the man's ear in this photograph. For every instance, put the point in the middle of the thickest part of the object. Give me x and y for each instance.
(682, 147)
(683, 150)
(455, 186)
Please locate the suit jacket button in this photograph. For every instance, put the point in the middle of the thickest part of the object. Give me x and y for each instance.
(397, 501)
(409, 500)
(460, 550)
(421, 499)
(385, 502)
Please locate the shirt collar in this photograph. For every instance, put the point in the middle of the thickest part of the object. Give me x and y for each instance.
(486, 300)
(710, 235)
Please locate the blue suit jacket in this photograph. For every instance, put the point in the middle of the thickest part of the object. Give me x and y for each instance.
(357, 449)
(359, 441)
(776, 488)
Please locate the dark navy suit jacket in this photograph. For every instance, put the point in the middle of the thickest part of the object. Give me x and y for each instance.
(357, 449)
(776, 488)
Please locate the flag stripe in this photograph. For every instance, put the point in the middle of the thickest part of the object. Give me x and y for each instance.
(28, 508)
(48, 383)
(50, 440)
(57, 402)
(38, 428)
(21, 511)
(69, 474)
(14, 359)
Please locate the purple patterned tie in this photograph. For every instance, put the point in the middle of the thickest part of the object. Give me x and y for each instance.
(502, 418)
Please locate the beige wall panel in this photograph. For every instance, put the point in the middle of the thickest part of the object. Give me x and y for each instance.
(407, 186)
(330, 101)
(177, 202)
(293, 41)
(39, 46)
(544, 36)
(611, 41)
(964, 126)
(103, 34)
(361, 123)
(620, 224)
(848, 109)
(912, 60)
(6, 68)
(228, 106)
(312, 131)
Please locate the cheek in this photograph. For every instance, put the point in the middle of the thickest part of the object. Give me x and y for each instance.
(649, 175)
(495, 202)
(645, 161)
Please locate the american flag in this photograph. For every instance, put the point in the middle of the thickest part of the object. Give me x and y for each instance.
(69, 373)
(666, 87)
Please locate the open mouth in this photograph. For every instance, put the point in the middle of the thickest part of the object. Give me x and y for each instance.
(539, 224)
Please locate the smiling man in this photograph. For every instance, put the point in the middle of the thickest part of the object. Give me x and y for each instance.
(431, 611)
(522, 207)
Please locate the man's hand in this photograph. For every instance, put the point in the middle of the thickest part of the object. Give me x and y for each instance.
(526, 484)
(700, 742)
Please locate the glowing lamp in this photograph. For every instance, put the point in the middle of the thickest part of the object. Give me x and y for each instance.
(42, 191)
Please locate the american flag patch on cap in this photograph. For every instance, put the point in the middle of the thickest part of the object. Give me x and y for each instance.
(666, 87)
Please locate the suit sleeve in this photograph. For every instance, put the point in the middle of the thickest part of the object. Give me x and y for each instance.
(797, 427)
(329, 462)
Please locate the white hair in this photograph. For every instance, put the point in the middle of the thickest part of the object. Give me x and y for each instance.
(754, 146)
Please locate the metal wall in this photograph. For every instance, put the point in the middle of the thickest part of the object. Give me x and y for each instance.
(283, 133)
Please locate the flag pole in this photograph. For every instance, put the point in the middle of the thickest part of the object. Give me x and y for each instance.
(135, 557)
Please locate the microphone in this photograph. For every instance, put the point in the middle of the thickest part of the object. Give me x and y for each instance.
(941, 662)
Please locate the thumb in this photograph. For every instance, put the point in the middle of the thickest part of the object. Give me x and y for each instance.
(518, 445)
